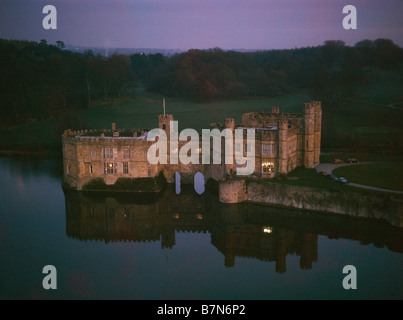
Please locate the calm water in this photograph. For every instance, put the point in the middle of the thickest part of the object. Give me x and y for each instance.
(181, 247)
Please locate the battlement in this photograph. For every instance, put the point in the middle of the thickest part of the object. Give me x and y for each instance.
(312, 107)
(166, 116)
(230, 123)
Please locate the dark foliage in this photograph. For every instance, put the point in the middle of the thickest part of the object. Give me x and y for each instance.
(39, 81)
(327, 72)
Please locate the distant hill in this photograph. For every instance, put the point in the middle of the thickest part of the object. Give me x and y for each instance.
(126, 51)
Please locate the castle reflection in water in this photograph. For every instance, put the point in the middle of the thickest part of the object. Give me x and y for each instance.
(237, 230)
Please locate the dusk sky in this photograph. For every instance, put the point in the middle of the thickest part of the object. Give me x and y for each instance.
(202, 24)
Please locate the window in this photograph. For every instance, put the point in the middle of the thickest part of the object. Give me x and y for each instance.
(94, 154)
(108, 153)
(267, 148)
(126, 154)
(267, 167)
(125, 167)
(110, 168)
(68, 169)
(164, 126)
(247, 147)
(91, 169)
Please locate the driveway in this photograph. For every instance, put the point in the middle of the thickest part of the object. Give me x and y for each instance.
(329, 167)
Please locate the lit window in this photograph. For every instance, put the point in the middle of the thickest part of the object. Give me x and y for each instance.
(267, 229)
(267, 167)
(110, 168)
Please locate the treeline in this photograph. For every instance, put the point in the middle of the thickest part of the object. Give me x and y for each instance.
(38, 80)
(326, 72)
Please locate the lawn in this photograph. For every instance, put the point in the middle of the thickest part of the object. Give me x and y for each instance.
(361, 121)
(310, 178)
(385, 175)
(143, 111)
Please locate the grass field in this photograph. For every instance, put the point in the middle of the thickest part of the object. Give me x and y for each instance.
(310, 178)
(385, 175)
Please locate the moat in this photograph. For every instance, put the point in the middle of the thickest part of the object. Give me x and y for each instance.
(185, 246)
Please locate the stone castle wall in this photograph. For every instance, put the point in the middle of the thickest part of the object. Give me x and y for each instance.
(345, 203)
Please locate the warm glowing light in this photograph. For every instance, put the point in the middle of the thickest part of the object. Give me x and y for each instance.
(199, 216)
(268, 166)
(267, 229)
(175, 216)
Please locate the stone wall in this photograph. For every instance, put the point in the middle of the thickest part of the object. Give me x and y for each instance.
(346, 203)
(232, 191)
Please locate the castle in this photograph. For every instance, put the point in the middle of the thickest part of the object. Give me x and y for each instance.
(283, 142)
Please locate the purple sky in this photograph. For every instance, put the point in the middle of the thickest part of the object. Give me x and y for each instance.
(185, 24)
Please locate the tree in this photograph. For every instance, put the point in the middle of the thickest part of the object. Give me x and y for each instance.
(60, 44)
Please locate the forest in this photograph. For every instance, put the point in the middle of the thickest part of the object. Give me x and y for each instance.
(326, 72)
(40, 80)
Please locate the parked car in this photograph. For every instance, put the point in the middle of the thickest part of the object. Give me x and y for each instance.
(331, 176)
(352, 160)
(338, 161)
(323, 173)
(341, 180)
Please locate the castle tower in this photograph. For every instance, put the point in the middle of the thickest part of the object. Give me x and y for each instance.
(164, 121)
(282, 125)
(317, 131)
(275, 110)
(230, 123)
(309, 134)
(309, 250)
(167, 237)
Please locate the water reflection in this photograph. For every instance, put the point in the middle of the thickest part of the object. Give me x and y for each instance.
(242, 230)
(26, 168)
